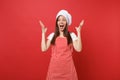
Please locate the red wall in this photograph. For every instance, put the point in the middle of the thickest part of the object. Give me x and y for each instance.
(20, 37)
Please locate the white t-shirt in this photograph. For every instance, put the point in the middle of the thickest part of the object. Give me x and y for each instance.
(73, 36)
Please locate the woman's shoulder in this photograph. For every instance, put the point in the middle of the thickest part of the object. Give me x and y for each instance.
(52, 33)
(50, 36)
(73, 36)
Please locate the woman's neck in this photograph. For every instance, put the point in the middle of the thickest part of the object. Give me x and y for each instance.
(61, 34)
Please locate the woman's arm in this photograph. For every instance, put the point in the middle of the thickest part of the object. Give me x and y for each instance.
(44, 44)
(77, 44)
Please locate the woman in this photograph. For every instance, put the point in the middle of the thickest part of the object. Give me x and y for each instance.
(61, 65)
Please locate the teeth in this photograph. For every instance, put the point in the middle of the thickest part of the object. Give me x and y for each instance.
(61, 25)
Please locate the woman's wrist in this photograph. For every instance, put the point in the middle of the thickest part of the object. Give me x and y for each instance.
(78, 34)
(43, 33)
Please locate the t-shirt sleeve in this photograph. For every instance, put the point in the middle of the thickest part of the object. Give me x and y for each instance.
(73, 36)
(50, 36)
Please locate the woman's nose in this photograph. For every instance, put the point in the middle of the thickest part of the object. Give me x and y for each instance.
(61, 21)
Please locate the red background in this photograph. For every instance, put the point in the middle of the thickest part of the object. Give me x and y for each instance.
(20, 38)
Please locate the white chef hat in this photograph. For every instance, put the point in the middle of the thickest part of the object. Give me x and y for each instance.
(66, 15)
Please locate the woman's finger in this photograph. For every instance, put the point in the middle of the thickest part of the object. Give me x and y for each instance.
(81, 23)
(41, 23)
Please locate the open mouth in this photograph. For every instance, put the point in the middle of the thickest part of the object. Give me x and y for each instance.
(61, 25)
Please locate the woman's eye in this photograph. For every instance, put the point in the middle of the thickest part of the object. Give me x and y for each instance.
(64, 19)
(59, 20)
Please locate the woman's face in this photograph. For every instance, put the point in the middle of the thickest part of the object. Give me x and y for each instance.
(61, 23)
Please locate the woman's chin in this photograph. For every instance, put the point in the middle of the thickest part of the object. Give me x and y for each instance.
(61, 30)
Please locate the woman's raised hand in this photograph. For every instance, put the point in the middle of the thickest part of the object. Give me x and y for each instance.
(80, 26)
(44, 29)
